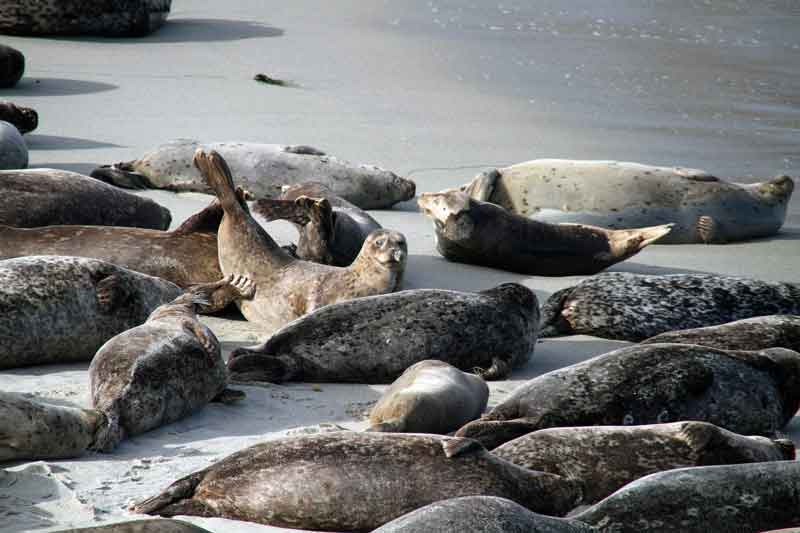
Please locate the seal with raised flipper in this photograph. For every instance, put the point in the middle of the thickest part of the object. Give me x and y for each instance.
(141, 526)
(634, 307)
(25, 119)
(288, 288)
(773, 331)
(262, 169)
(620, 195)
(375, 339)
(160, 371)
(605, 458)
(353, 481)
(750, 393)
(48, 197)
(481, 233)
(430, 397)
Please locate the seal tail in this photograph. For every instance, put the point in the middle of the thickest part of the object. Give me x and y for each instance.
(247, 366)
(218, 176)
(173, 500)
(627, 242)
(122, 175)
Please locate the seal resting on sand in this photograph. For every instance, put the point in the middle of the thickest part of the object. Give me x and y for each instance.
(288, 288)
(750, 393)
(12, 66)
(25, 119)
(141, 526)
(49, 197)
(634, 307)
(619, 195)
(56, 309)
(261, 169)
(605, 458)
(375, 339)
(430, 397)
(351, 481)
(480, 233)
(160, 371)
(774, 331)
(13, 150)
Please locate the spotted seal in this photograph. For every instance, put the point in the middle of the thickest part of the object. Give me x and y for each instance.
(481, 233)
(13, 150)
(375, 339)
(747, 497)
(751, 393)
(288, 288)
(56, 309)
(619, 195)
(774, 331)
(49, 197)
(160, 371)
(605, 458)
(261, 169)
(12, 66)
(634, 307)
(25, 119)
(430, 397)
(360, 481)
(141, 526)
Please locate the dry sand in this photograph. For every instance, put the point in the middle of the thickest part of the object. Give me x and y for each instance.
(437, 90)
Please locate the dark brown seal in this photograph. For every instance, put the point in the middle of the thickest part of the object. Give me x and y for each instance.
(25, 119)
(605, 458)
(350, 481)
(288, 288)
(751, 393)
(12, 66)
(49, 197)
(774, 331)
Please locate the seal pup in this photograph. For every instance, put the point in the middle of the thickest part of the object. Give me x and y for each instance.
(747, 497)
(750, 393)
(605, 458)
(12, 66)
(619, 195)
(430, 397)
(634, 307)
(486, 514)
(288, 288)
(25, 119)
(261, 169)
(141, 526)
(160, 371)
(33, 429)
(774, 331)
(13, 150)
(360, 481)
(480, 233)
(375, 339)
(49, 197)
(56, 309)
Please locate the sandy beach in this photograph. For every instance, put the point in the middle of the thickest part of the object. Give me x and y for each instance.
(434, 90)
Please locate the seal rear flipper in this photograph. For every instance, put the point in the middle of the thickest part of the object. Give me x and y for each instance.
(218, 175)
(109, 434)
(25, 119)
(455, 446)
(500, 369)
(112, 292)
(552, 322)
(272, 209)
(177, 496)
(246, 366)
(628, 242)
(493, 433)
(122, 175)
(229, 396)
(396, 425)
(205, 221)
(482, 186)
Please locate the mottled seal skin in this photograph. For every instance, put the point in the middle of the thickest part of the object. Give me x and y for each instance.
(25, 119)
(430, 397)
(634, 307)
(774, 331)
(129, 18)
(56, 309)
(351, 481)
(750, 393)
(33, 429)
(375, 339)
(481, 233)
(141, 526)
(13, 150)
(620, 195)
(261, 169)
(160, 371)
(605, 458)
(49, 197)
(746, 498)
(12, 66)
(288, 288)
(484, 514)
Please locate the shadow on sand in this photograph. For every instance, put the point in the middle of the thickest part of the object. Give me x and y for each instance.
(56, 142)
(35, 86)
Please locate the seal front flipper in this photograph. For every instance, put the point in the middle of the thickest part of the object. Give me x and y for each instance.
(248, 366)
(177, 496)
(708, 230)
(112, 292)
(122, 175)
(230, 289)
(456, 446)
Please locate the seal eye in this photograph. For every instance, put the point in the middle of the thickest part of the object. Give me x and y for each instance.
(380, 242)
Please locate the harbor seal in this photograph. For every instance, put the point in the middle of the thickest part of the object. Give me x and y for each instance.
(352, 481)
(288, 288)
(748, 498)
(634, 307)
(12, 66)
(160, 371)
(605, 458)
(261, 169)
(750, 393)
(775, 331)
(486, 514)
(56, 309)
(34, 429)
(619, 195)
(49, 197)
(375, 339)
(25, 119)
(480, 233)
(141, 526)
(13, 150)
(131, 18)
(430, 397)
